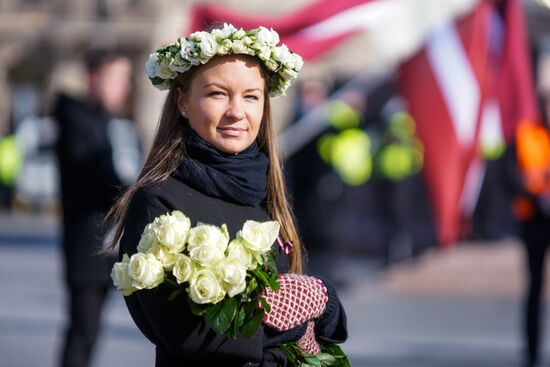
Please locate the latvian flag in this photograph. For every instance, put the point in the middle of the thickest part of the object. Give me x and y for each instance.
(471, 79)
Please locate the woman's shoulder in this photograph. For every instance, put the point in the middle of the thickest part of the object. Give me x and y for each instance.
(162, 190)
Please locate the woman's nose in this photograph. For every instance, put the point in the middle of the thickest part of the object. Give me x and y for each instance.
(235, 110)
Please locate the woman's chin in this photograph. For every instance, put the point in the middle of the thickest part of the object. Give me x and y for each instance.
(232, 146)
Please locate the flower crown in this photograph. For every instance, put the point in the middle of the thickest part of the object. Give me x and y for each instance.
(166, 63)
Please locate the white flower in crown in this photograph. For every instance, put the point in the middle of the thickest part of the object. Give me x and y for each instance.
(238, 34)
(179, 65)
(239, 47)
(189, 53)
(200, 47)
(224, 47)
(283, 54)
(208, 46)
(152, 65)
(224, 32)
(288, 74)
(164, 71)
(267, 36)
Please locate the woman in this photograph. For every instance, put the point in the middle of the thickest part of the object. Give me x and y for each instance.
(214, 158)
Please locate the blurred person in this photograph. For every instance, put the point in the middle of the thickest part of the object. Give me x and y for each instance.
(214, 158)
(97, 157)
(11, 159)
(532, 206)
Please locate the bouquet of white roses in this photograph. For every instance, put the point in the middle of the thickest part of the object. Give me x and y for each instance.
(224, 279)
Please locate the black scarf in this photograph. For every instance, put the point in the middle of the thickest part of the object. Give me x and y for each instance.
(240, 178)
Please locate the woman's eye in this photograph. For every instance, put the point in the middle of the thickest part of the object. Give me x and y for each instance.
(215, 94)
(252, 97)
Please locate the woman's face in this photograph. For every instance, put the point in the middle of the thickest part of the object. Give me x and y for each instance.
(225, 103)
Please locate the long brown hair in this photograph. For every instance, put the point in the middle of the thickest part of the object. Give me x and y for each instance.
(168, 149)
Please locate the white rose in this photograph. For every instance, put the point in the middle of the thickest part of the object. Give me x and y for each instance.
(282, 54)
(145, 270)
(171, 230)
(271, 64)
(180, 65)
(208, 45)
(265, 53)
(183, 268)
(267, 37)
(206, 255)
(205, 287)
(148, 239)
(274, 36)
(259, 237)
(188, 52)
(164, 71)
(152, 64)
(247, 41)
(121, 278)
(164, 255)
(238, 34)
(233, 276)
(228, 30)
(208, 235)
(288, 74)
(237, 251)
(224, 47)
(217, 34)
(239, 47)
(297, 61)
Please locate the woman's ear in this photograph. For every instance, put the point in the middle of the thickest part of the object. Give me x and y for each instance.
(180, 101)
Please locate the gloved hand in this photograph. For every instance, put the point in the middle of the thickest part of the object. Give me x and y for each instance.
(300, 298)
(307, 342)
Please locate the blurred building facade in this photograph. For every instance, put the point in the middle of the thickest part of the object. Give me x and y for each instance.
(42, 48)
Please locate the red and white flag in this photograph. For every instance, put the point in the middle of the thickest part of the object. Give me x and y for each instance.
(472, 77)
(310, 31)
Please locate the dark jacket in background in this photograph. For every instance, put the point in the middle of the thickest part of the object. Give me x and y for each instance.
(181, 338)
(89, 186)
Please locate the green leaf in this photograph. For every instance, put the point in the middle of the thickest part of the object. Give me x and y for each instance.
(251, 325)
(338, 353)
(174, 294)
(314, 361)
(197, 309)
(327, 359)
(273, 283)
(249, 308)
(265, 305)
(211, 317)
(227, 314)
(252, 285)
(237, 322)
(261, 275)
(272, 265)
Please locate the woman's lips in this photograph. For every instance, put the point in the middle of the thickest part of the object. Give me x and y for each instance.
(232, 131)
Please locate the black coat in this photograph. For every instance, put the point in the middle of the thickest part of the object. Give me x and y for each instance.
(181, 338)
(89, 186)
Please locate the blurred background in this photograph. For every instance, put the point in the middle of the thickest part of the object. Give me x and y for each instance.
(409, 176)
